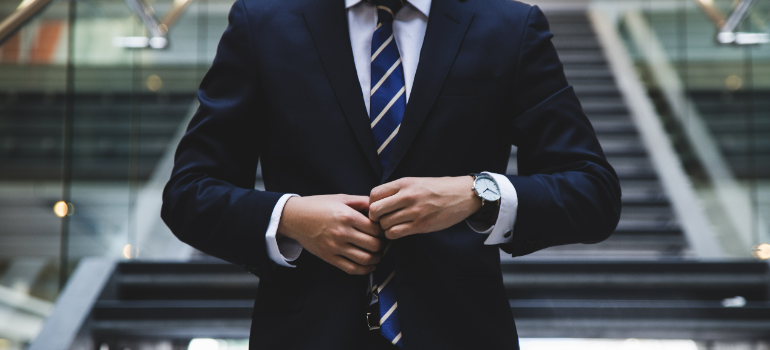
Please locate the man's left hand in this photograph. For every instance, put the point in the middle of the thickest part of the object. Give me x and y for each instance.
(414, 205)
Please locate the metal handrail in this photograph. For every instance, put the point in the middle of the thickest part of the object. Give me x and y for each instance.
(147, 15)
(177, 8)
(26, 10)
(713, 13)
(738, 15)
(727, 33)
(158, 30)
(727, 27)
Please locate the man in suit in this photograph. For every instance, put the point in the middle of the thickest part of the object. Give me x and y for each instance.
(368, 117)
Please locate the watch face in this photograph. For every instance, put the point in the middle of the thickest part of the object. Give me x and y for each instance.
(487, 188)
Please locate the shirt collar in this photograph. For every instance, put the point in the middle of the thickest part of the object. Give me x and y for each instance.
(421, 5)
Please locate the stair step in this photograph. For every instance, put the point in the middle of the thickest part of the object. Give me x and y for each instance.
(613, 126)
(582, 57)
(571, 29)
(592, 90)
(565, 43)
(591, 74)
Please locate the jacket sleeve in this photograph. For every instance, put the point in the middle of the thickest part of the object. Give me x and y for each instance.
(210, 202)
(568, 192)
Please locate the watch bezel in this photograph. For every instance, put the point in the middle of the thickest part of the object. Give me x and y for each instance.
(478, 177)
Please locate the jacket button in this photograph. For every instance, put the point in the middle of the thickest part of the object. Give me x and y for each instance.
(507, 234)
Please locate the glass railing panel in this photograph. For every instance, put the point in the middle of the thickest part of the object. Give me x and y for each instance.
(32, 107)
(129, 102)
(130, 105)
(728, 86)
(127, 107)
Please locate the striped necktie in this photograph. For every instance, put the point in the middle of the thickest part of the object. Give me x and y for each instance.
(387, 104)
(385, 285)
(388, 93)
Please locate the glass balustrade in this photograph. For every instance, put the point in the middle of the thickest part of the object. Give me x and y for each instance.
(85, 119)
(714, 100)
(94, 95)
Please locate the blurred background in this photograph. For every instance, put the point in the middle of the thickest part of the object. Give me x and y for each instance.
(95, 95)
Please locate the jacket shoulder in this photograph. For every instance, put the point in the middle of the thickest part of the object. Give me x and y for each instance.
(504, 7)
(269, 8)
(506, 15)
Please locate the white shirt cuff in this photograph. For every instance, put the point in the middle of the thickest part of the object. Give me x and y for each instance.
(502, 231)
(285, 250)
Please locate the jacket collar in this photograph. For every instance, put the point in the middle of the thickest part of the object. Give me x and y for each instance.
(421, 5)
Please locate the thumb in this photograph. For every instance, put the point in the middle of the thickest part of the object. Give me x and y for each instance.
(359, 203)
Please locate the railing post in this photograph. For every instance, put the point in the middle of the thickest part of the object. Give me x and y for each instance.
(26, 10)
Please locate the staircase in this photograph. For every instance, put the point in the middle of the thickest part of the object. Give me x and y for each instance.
(112, 132)
(151, 305)
(740, 123)
(648, 227)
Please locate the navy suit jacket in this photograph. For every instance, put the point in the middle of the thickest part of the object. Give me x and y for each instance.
(283, 90)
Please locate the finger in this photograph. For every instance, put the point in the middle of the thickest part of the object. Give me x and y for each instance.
(370, 228)
(385, 190)
(350, 267)
(364, 241)
(384, 206)
(362, 223)
(401, 230)
(398, 217)
(360, 257)
(359, 203)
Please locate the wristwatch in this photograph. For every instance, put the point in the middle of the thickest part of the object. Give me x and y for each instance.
(487, 189)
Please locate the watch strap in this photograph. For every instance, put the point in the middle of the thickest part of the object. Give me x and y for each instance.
(489, 210)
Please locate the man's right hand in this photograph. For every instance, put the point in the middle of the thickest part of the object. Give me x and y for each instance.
(332, 228)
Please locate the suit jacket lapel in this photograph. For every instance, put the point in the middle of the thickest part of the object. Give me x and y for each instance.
(328, 26)
(449, 20)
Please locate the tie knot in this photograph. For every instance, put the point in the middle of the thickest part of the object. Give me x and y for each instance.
(387, 9)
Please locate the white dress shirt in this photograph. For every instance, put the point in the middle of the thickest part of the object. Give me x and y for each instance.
(409, 31)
